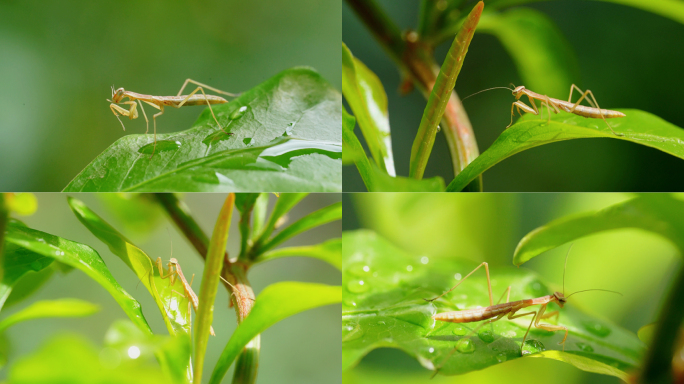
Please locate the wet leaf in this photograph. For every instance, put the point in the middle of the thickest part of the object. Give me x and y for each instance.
(79, 256)
(530, 131)
(383, 306)
(285, 137)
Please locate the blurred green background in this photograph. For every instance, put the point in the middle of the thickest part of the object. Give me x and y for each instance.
(487, 227)
(59, 60)
(627, 57)
(304, 348)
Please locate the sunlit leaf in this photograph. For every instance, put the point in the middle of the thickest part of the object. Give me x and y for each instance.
(329, 251)
(530, 131)
(383, 306)
(50, 308)
(286, 137)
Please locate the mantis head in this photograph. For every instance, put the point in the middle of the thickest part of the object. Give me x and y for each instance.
(560, 298)
(117, 95)
(517, 92)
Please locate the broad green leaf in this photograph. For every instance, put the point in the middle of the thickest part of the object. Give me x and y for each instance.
(210, 281)
(375, 179)
(537, 47)
(658, 213)
(70, 358)
(383, 306)
(172, 305)
(530, 131)
(29, 284)
(367, 98)
(17, 262)
(286, 137)
(441, 93)
(79, 256)
(329, 251)
(276, 302)
(50, 308)
(312, 220)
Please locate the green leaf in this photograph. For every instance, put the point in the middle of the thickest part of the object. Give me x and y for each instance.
(660, 214)
(312, 220)
(137, 213)
(441, 93)
(29, 283)
(541, 54)
(79, 256)
(329, 251)
(50, 308)
(283, 205)
(530, 131)
(17, 262)
(584, 363)
(367, 98)
(276, 302)
(210, 280)
(375, 179)
(172, 305)
(383, 306)
(288, 139)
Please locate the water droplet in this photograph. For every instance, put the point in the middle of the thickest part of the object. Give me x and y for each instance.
(351, 331)
(248, 141)
(459, 330)
(162, 146)
(486, 335)
(532, 346)
(431, 350)
(357, 286)
(36, 266)
(457, 276)
(596, 328)
(59, 253)
(501, 357)
(289, 129)
(409, 268)
(537, 289)
(465, 346)
(424, 260)
(381, 322)
(439, 128)
(238, 112)
(585, 347)
(360, 269)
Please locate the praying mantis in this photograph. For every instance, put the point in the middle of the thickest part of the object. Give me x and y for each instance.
(509, 309)
(159, 102)
(568, 106)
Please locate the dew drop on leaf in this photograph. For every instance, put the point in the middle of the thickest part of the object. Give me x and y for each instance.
(465, 346)
(501, 357)
(357, 286)
(460, 330)
(596, 328)
(585, 347)
(351, 331)
(486, 335)
(532, 346)
(238, 112)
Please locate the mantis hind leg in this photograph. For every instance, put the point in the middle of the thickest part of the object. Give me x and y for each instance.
(511, 316)
(489, 284)
(208, 104)
(205, 86)
(592, 101)
(154, 119)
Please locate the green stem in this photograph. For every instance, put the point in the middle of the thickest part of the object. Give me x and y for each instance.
(416, 61)
(658, 362)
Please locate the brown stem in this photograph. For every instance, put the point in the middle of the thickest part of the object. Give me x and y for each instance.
(416, 61)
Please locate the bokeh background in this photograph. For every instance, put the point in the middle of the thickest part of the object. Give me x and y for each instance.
(58, 61)
(487, 227)
(627, 57)
(304, 348)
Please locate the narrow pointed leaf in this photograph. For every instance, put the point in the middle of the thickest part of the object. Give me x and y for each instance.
(276, 302)
(79, 256)
(440, 94)
(530, 131)
(367, 98)
(286, 137)
(329, 251)
(50, 308)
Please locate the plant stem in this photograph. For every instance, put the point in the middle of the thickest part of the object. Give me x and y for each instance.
(242, 296)
(658, 362)
(416, 61)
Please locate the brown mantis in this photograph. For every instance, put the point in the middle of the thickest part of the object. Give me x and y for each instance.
(568, 106)
(159, 102)
(509, 309)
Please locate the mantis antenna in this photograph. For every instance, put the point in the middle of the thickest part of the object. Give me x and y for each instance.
(488, 89)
